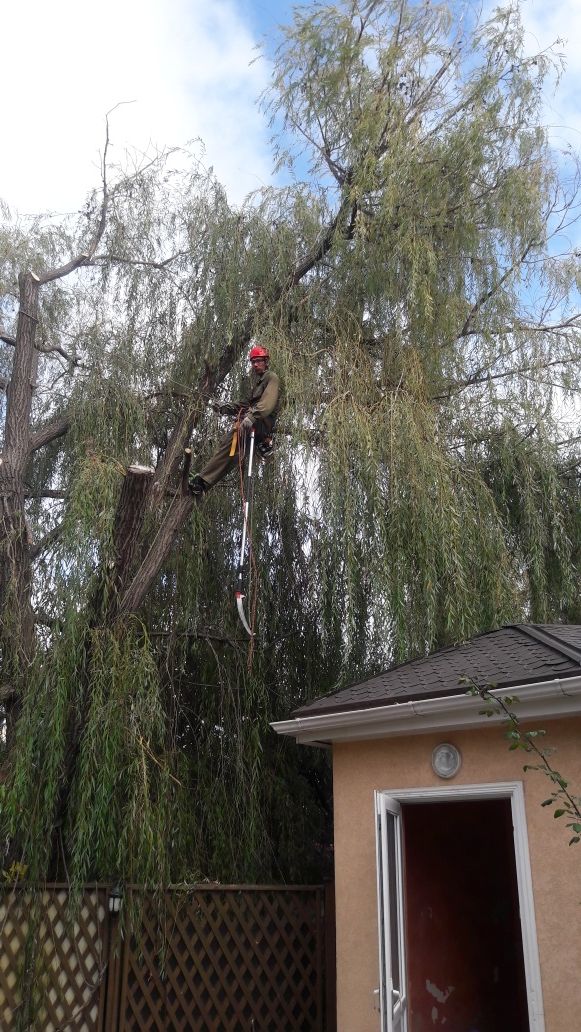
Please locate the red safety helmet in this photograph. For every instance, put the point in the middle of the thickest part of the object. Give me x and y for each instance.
(258, 352)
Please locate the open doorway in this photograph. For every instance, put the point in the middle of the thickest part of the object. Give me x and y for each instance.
(458, 948)
(465, 964)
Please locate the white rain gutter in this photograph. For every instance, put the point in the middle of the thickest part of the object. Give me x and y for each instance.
(545, 700)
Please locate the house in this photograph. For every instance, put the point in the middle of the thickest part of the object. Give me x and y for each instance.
(458, 896)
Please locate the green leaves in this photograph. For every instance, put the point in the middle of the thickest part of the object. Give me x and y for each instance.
(422, 490)
(569, 804)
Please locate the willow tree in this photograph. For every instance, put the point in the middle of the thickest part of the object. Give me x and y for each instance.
(411, 283)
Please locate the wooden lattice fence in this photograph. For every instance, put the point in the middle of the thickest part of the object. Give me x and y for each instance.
(201, 959)
(53, 978)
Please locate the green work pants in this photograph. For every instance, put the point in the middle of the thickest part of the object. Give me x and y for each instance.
(222, 462)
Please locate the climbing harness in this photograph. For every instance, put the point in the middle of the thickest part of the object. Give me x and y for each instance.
(240, 594)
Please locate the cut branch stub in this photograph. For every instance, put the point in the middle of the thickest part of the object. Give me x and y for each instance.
(186, 470)
(129, 519)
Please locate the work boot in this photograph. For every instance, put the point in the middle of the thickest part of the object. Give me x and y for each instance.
(197, 486)
(265, 447)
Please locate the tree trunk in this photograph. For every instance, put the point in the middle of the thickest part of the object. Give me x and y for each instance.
(16, 623)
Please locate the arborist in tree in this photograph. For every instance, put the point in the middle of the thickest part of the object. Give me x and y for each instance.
(258, 412)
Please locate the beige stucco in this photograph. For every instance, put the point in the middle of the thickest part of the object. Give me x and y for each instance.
(404, 763)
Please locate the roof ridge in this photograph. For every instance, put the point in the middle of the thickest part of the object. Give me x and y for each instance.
(539, 633)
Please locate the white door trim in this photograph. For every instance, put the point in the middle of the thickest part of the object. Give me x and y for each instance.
(512, 790)
(390, 1009)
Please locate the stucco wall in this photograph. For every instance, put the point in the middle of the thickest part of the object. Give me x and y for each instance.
(399, 763)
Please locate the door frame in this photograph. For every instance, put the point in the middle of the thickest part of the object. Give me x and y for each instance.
(512, 790)
(387, 805)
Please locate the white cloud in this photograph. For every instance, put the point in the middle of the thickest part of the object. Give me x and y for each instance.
(184, 63)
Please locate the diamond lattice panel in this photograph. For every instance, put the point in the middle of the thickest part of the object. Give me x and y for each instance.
(66, 958)
(231, 961)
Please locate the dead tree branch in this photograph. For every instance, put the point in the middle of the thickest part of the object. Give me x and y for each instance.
(85, 256)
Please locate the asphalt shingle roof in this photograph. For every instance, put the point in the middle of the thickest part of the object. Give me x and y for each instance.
(512, 655)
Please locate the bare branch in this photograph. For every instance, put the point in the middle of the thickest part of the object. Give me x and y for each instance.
(46, 493)
(480, 376)
(119, 259)
(201, 635)
(85, 257)
(56, 348)
(573, 322)
(45, 542)
(431, 85)
(487, 294)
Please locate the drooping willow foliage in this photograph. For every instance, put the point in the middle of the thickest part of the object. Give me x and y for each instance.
(425, 484)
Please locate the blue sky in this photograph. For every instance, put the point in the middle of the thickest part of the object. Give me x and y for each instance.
(187, 66)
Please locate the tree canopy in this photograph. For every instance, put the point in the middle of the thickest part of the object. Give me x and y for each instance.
(413, 280)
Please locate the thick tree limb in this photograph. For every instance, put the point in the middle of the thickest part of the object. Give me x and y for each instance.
(17, 635)
(161, 547)
(56, 349)
(15, 569)
(322, 248)
(23, 377)
(48, 433)
(7, 695)
(46, 493)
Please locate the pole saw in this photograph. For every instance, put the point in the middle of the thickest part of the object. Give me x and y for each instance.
(240, 594)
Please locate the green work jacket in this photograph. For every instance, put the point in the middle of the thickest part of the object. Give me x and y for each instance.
(264, 399)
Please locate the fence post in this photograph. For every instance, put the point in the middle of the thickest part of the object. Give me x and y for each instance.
(330, 960)
(114, 974)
